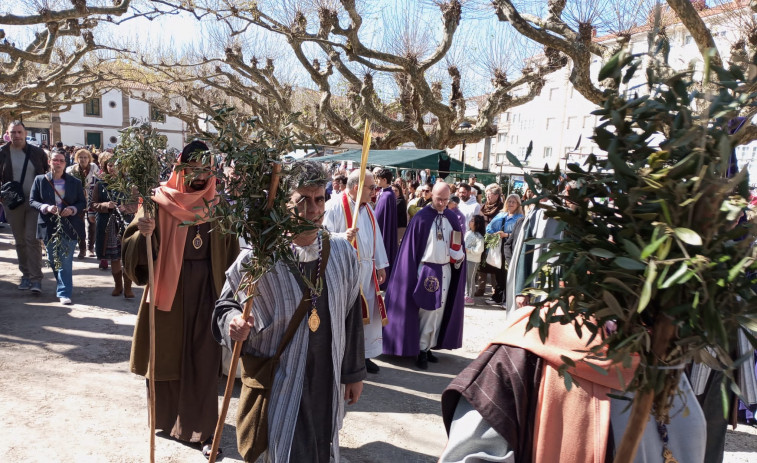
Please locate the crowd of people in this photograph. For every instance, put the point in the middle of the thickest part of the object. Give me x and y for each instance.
(56, 199)
(388, 271)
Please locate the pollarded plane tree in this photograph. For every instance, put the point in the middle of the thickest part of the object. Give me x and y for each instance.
(225, 69)
(592, 31)
(43, 50)
(402, 64)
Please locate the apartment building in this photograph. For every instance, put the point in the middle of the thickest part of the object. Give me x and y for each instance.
(558, 123)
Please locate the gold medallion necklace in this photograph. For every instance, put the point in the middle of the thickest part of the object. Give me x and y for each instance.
(314, 321)
(197, 240)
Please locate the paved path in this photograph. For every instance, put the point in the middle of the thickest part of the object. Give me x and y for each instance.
(66, 394)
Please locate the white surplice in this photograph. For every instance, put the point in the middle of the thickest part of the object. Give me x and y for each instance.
(334, 221)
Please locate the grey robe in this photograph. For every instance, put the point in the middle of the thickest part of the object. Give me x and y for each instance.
(526, 257)
(276, 300)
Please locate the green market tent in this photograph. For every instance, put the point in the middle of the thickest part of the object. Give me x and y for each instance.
(410, 159)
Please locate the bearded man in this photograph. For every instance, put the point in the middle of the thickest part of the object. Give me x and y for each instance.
(189, 275)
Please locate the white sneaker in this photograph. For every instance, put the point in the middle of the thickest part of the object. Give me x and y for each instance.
(66, 301)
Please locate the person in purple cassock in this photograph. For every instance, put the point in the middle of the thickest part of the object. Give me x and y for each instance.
(386, 217)
(453, 204)
(426, 292)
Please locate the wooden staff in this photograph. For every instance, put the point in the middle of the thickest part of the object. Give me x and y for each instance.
(363, 166)
(274, 186)
(150, 288)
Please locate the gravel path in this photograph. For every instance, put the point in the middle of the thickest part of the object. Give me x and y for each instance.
(66, 394)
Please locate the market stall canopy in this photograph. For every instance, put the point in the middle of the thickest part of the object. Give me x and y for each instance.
(406, 159)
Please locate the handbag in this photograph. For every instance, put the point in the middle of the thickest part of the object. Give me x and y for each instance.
(258, 374)
(12, 192)
(494, 254)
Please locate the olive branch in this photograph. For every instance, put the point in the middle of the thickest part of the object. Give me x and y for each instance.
(653, 247)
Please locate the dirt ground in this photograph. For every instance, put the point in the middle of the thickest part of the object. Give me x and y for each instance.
(66, 394)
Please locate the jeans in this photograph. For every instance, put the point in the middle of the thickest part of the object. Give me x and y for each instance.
(64, 273)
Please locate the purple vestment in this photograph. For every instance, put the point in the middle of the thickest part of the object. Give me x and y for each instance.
(461, 219)
(401, 335)
(386, 218)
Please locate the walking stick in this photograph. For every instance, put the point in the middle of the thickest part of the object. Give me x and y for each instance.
(274, 186)
(150, 288)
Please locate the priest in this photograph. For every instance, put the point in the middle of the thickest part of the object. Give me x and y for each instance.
(425, 295)
(386, 217)
(369, 245)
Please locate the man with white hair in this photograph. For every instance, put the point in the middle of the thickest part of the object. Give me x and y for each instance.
(369, 243)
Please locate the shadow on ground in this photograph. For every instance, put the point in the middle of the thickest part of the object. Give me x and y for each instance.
(382, 452)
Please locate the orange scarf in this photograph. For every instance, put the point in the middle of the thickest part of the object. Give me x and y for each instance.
(176, 205)
(570, 425)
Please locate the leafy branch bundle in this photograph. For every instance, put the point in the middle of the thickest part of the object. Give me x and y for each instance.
(59, 251)
(139, 159)
(653, 245)
(244, 160)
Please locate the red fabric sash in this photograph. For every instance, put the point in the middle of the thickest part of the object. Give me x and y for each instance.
(363, 301)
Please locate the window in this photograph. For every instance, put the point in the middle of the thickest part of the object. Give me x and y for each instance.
(522, 151)
(572, 122)
(92, 107)
(157, 115)
(553, 93)
(480, 156)
(547, 152)
(688, 39)
(570, 92)
(501, 157)
(514, 140)
(502, 137)
(567, 150)
(588, 122)
(551, 123)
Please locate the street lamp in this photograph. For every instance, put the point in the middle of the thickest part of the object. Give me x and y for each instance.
(464, 125)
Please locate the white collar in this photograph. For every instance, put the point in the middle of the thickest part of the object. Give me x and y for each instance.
(307, 253)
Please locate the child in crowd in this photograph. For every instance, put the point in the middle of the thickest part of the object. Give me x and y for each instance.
(474, 247)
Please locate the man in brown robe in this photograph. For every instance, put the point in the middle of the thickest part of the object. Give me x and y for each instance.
(189, 274)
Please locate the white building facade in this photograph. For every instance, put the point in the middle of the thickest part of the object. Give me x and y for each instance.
(98, 121)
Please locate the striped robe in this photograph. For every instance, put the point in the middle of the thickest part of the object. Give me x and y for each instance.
(278, 295)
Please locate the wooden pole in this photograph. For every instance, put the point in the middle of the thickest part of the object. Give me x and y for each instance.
(363, 167)
(150, 288)
(274, 186)
(663, 334)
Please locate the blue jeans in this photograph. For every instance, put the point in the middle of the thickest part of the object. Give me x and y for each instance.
(65, 273)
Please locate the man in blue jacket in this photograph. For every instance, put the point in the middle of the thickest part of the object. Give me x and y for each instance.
(59, 198)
